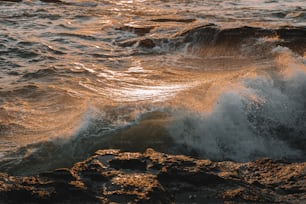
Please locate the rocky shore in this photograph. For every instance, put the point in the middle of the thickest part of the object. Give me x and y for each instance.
(154, 177)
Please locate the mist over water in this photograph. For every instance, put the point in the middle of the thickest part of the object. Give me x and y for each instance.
(223, 80)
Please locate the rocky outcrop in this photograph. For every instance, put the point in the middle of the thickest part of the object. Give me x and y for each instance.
(154, 177)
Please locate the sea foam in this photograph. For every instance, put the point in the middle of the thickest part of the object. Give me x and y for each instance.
(263, 117)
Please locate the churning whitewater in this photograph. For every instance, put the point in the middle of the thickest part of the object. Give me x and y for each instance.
(223, 80)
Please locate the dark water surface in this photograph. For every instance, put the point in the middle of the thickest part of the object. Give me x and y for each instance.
(223, 80)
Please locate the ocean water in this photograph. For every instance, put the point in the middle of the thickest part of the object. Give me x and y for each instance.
(223, 80)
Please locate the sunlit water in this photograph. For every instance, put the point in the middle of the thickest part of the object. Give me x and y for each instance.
(223, 80)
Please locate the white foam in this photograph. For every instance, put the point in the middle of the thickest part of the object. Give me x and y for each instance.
(264, 118)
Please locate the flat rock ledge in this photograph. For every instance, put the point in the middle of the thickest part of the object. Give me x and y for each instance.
(112, 176)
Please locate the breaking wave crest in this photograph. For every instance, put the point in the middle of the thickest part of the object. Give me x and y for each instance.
(263, 118)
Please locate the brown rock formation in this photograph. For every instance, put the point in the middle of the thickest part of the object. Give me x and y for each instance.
(153, 177)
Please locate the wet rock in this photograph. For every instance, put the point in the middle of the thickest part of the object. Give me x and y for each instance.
(154, 177)
(59, 174)
(129, 161)
(146, 43)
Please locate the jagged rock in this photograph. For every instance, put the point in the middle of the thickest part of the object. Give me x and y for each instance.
(129, 161)
(146, 43)
(154, 177)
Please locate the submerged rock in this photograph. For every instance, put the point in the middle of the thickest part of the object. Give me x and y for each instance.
(154, 177)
